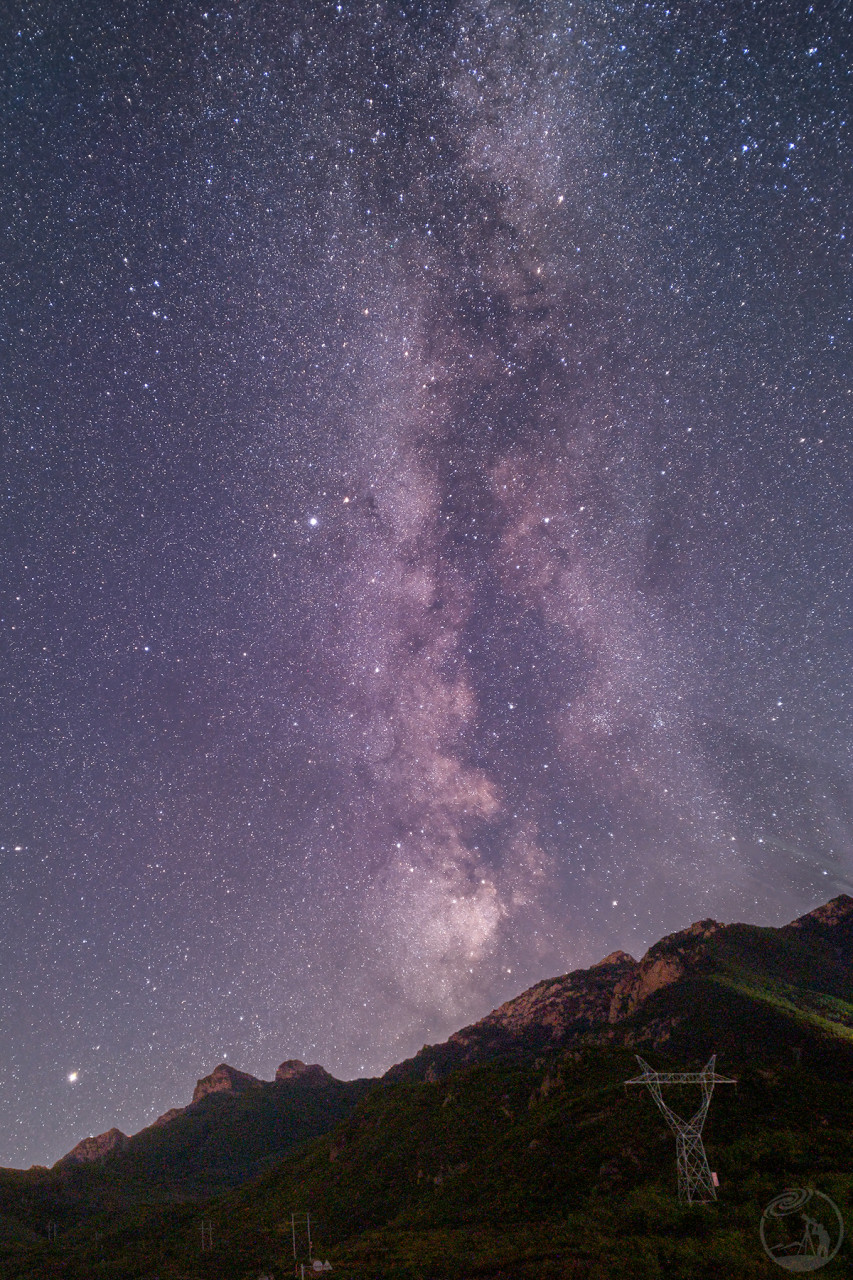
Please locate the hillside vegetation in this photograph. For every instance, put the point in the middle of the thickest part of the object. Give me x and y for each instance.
(515, 1149)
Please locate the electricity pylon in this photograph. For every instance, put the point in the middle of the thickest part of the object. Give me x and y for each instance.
(696, 1183)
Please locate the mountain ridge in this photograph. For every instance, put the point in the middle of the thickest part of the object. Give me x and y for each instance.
(223, 1083)
(502, 1130)
(608, 992)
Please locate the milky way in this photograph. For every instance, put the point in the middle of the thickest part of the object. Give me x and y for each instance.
(427, 508)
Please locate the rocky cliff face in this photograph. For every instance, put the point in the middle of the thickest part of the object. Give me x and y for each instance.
(224, 1079)
(559, 1004)
(599, 999)
(167, 1116)
(561, 1008)
(283, 1096)
(230, 1082)
(295, 1072)
(838, 911)
(663, 964)
(608, 992)
(95, 1148)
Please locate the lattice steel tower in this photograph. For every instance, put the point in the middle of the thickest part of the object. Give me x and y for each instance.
(696, 1183)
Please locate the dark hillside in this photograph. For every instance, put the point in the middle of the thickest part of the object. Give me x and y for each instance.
(515, 1148)
(517, 1167)
(212, 1145)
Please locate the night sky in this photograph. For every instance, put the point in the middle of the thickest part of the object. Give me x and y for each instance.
(426, 517)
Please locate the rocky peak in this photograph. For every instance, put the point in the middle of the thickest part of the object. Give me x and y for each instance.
(96, 1148)
(224, 1079)
(295, 1072)
(831, 913)
(167, 1117)
(685, 940)
(664, 963)
(608, 992)
(615, 957)
(557, 1005)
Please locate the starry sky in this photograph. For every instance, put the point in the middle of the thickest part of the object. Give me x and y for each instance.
(426, 517)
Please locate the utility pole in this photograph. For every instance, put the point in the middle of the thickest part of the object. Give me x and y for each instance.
(300, 1222)
(696, 1183)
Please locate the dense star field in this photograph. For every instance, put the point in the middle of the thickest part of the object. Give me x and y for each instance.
(426, 506)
